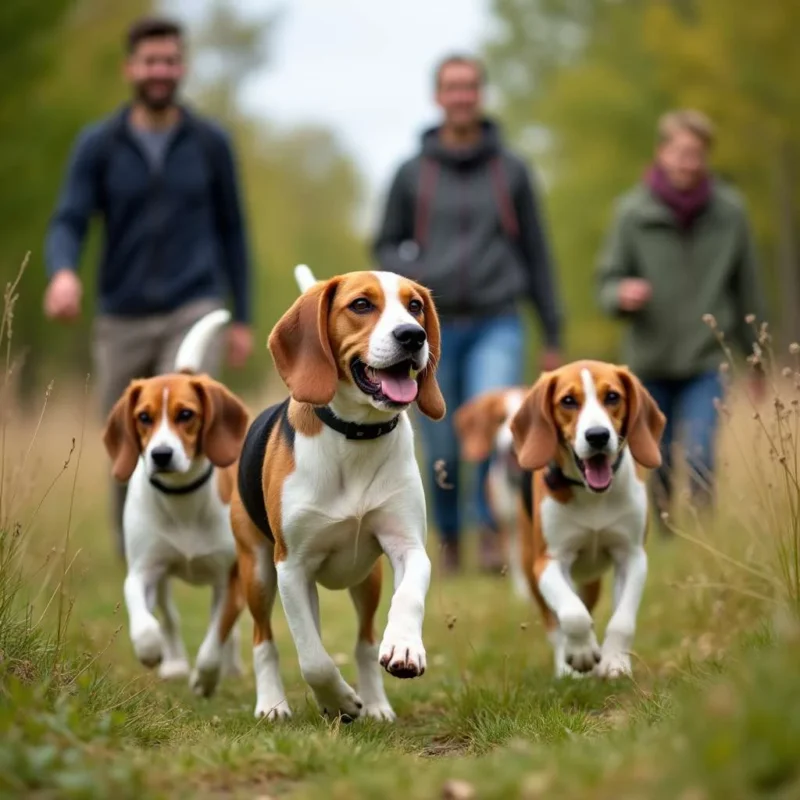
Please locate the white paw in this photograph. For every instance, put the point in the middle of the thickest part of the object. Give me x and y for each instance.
(564, 670)
(583, 655)
(273, 711)
(615, 665)
(339, 701)
(204, 679)
(148, 643)
(403, 657)
(381, 711)
(176, 668)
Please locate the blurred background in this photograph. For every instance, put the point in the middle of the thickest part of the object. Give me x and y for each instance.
(325, 99)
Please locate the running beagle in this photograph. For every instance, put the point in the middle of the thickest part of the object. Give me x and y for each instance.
(587, 431)
(483, 427)
(328, 482)
(174, 438)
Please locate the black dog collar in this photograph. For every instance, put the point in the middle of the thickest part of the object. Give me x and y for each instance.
(188, 488)
(355, 430)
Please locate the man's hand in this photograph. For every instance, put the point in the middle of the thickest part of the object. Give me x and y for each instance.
(62, 299)
(634, 294)
(240, 344)
(551, 359)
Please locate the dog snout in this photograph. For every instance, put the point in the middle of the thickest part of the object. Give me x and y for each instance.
(161, 456)
(410, 337)
(598, 437)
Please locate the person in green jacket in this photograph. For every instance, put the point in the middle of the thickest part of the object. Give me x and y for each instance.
(679, 262)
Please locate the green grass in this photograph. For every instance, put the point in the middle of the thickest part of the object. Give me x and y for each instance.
(711, 711)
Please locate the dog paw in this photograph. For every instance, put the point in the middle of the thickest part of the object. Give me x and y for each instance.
(403, 658)
(343, 703)
(273, 711)
(148, 645)
(204, 679)
(615, 665)
(176, 668)
(380, 711)
(582, 655)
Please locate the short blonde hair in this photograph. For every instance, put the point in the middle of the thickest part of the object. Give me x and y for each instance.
(686, 119)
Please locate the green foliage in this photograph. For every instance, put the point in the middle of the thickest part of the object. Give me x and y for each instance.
(582, 84)
(301, 189)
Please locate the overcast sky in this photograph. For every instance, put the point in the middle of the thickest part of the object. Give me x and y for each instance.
(363, 68)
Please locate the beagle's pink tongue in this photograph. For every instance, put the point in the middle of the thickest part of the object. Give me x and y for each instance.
(598, 472)
(399, 389)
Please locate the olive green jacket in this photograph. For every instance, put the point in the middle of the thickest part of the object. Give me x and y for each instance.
(711, 269)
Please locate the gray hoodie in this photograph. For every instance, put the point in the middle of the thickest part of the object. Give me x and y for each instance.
(476, 239)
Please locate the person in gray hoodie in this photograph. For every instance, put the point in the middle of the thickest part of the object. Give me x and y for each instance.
(462, 218)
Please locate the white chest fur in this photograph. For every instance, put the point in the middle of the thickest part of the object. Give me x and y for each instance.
(187, 535)
(342, 494)
(592, 530)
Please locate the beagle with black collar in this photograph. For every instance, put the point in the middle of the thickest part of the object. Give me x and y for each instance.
(587, 432)
(328, 483)
(483, 427)
(175, 438)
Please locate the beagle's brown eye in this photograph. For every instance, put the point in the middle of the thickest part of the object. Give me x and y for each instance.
(568, 401)
(361, 305)
(145, 418)
(613, 398)
(415, 307)
(185, 414)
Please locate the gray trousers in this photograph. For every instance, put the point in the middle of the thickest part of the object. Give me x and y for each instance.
(127, 348)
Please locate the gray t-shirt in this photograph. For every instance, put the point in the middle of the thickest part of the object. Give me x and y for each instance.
(154, 143)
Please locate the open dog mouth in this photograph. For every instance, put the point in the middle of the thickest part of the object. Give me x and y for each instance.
(395, 385)
(596, 471)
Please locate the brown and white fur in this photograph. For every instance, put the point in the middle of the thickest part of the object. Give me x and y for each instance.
(171, 429)
(335, 505)
(483, 427)
(583, 417)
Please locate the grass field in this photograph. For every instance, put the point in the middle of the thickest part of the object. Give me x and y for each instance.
(711, 711)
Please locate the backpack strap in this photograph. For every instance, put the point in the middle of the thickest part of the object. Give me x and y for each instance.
(502, 191)
(428, 175)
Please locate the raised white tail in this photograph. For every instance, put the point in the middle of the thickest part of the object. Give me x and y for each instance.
(194, 345)
(304, 277)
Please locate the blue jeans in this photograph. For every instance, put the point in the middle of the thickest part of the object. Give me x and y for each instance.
(688, 404)
(477, 355)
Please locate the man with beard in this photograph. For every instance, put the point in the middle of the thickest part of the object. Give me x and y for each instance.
(164, 181)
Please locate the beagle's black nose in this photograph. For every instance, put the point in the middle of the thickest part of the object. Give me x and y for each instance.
(598, 437)
(410, 337)
(161, 456)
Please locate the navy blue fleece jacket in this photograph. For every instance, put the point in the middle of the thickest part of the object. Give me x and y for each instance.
(173, 234)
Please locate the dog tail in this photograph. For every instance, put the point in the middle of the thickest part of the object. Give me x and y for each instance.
(304, 277)
(197, 340)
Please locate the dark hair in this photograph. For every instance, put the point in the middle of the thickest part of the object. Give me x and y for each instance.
(459, 58)
(151, 28)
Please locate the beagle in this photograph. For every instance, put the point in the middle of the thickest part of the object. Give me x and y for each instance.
(586, 432)
(175, 438)
(484, 431)
(328, 482)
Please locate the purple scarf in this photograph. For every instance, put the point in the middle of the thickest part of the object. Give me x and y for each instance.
(686, 205)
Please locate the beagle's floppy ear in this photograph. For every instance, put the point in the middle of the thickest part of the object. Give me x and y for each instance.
(645, 421)
(430, 400)
(533, 426)
(477, 422)
(225, 421)
(301, 348)
(120, 437)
